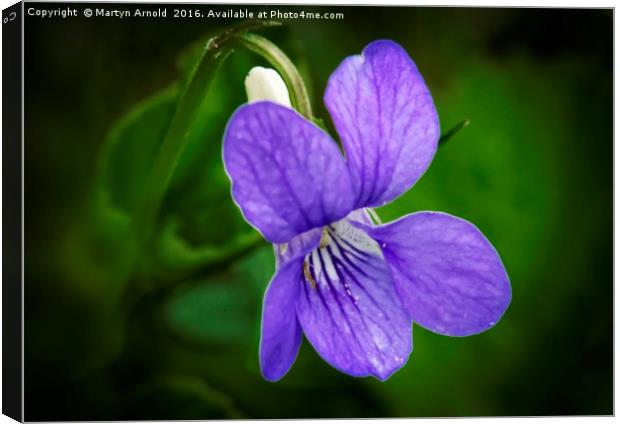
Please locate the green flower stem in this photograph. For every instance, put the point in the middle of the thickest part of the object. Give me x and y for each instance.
(284, 66)
(216, 51)
(174, 143)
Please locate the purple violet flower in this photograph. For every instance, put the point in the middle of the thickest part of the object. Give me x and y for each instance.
(351, 286)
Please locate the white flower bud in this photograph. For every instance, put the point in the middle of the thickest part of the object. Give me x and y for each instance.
(266, 84)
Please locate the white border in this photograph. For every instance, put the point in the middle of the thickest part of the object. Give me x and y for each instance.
(483, 3)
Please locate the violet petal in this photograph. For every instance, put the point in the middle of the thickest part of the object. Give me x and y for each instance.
(297, 246)
(288, 175)
(450, 278)
(280, 329)
(349, 309)
(386, 119)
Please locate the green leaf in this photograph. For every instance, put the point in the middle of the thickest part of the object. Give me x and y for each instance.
(452, 132)
(223, 309)
(199, 193)
(131, 147)
(157, 148)
(175, 252)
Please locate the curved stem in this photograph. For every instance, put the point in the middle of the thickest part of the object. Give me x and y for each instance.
(216, 51)
(280, 61)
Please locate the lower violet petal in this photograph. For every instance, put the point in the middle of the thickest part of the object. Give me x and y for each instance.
(348, 306)
(280, 330)
(450, 278)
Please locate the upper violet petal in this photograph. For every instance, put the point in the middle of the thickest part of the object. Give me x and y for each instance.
(450, 278)
(288, 175)
(280, 330)
(349, 309)
(386, 119)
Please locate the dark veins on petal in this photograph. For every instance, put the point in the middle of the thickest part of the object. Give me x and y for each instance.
(351, 312)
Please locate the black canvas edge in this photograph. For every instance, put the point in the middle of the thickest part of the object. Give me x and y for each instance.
(12, 218)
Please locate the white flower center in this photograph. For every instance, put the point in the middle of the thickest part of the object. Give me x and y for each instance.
(340, 241)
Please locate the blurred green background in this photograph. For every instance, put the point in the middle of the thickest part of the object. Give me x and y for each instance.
(172, 333)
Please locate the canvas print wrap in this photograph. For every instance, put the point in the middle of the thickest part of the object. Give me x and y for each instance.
(270, 211)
